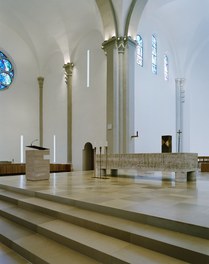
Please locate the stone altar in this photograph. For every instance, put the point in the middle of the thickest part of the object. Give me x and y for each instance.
(184, 165)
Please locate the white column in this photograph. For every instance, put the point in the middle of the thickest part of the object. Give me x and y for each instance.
(120, 94)
(180, 99)
(129, 79)
(121, 42)
(112, 105)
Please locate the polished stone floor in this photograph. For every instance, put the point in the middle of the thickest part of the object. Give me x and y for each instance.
(145, 192)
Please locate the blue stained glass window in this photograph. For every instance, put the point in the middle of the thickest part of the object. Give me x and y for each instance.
(166, 70)
(6, 72)
(139, 50)
(154, 54)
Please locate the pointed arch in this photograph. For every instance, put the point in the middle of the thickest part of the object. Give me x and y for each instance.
(133, 18)
(107, 12)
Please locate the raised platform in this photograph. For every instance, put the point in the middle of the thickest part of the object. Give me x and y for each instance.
(137, 219)
(184, 165)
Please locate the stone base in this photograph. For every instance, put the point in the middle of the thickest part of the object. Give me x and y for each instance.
(183, 176)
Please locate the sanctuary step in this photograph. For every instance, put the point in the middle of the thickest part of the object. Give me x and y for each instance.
(46, 228)
(9, 256)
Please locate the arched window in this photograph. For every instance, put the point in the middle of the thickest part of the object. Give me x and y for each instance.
(6, 71)
(166, 71)
(139, 50)
(154, 54)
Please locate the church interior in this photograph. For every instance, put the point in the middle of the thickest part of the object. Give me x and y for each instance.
(130, 79)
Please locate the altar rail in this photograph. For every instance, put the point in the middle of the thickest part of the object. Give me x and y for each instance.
(184, 165)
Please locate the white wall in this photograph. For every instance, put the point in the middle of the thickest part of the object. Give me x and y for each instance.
(19, 103)
(55, 107)
(198, 87)
(154, 97)
(89, 103)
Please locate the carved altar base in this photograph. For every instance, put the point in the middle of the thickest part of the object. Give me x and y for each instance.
(184, 165)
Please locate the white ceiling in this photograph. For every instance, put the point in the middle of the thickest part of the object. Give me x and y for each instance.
(184, 24)
(49, 25)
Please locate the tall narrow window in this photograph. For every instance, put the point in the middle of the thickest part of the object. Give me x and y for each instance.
(54, 148)
(88, 69)
(166, 70)
(154, 54)
(21, 149)
(139, 50)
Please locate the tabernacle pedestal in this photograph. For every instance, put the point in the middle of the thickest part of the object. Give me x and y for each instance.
(37, 165)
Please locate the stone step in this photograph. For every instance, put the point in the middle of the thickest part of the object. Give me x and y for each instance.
(9, 256)
(174, 244)
(168, 224)
(39, 248)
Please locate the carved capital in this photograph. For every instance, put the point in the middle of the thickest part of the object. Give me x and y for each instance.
(40, 81)
(180, 82)
(109, 44)
(120, 43)
(68, 70)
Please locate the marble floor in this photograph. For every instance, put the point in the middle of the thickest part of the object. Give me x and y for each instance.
(146, 192)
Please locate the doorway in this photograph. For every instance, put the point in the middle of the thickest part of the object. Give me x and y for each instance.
(88, 157)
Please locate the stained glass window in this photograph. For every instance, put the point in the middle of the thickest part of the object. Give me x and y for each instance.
(154, 54)
(166, 72)
(6, 72)
(139, 50)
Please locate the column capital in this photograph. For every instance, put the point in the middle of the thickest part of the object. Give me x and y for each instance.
(40, 81)
(119, 43)
(180, 81)
(68, 68)
(109, 44)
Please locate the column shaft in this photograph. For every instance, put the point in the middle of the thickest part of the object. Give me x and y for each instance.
(41, 83)
(68, 80)
(180, 97)
(120, 94)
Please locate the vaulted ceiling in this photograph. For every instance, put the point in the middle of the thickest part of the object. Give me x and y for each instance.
(45, 26)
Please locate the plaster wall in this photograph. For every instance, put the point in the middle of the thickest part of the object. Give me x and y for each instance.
(89, 103)
(155, 99)
(18, 103)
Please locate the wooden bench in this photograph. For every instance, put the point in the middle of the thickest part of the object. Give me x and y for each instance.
(184, 165)
(8, 168)
(203, 162)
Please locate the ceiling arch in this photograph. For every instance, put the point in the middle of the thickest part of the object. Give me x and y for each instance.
(108, 17)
